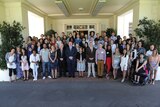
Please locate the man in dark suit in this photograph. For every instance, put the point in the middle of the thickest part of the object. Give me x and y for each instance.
(61, 60)
(71, 59)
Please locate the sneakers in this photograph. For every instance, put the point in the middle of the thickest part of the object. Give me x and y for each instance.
(153, 82)
(122, 80)
(44, 78)
(34, 79)
(49, 77)
(107, 77)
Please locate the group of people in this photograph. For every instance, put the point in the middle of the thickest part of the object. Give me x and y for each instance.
(55, 56)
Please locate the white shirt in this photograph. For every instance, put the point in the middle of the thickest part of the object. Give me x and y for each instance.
(149, 53)
(35, 59)
(113, 46)
(13, 65)
(134, 52)
(124, 61)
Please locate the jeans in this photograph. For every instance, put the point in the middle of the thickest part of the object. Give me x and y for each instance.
(35, 72)
(44, 65)
(91, 67)
(19, 70)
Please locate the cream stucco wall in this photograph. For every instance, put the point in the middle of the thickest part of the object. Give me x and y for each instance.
(101, 23)
(150, 9)
(113, 21)
(13, 12)
(2, 12)
(48, 23)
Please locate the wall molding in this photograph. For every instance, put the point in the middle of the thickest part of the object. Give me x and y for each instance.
(128, 5)
(28, 5)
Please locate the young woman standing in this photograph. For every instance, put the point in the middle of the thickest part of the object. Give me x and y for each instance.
(53, 62)
(116, 58)
(34, 60)
(24, 64)
(81, 62)
(154, 63)
(11, 63)
(18, 63)
(108, 60)
(124, 64)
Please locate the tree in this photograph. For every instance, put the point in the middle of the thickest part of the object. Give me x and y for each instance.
(11, 37)
(149, 30)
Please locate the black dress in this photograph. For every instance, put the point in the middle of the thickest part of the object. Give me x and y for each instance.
(55, 64)
(141, 71)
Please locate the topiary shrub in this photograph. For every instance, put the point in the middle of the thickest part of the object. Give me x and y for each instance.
(11, 37)
(149, 30)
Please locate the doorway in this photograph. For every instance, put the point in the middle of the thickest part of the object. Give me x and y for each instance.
(125, 21)
(82, 33)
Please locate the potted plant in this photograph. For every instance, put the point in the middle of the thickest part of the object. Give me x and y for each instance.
(11, 37)
(50, 32)
(109, 31)
(149, 31)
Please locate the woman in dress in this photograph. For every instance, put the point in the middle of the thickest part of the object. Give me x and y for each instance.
(124, 64)
(140, 67)
(25, 66)
(18, 63)
(80, 62)
(116, 58)
(53, 62)
(154, 63)
(133, 58)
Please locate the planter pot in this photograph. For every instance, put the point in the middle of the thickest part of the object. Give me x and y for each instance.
(4, 75)
(158, 74)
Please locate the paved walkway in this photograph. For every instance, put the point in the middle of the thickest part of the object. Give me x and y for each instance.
(69, 92)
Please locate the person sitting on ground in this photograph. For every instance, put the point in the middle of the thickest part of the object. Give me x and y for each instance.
(140, 68)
